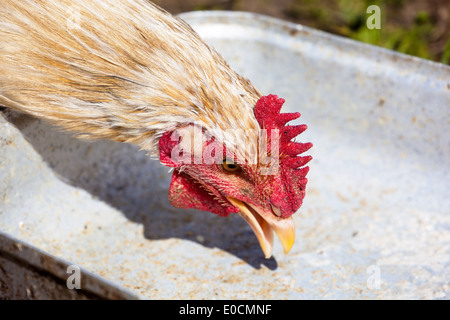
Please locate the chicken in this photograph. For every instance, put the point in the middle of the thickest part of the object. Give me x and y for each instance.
(128, 71)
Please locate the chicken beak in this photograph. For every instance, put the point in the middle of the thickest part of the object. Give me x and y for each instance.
(264, 223)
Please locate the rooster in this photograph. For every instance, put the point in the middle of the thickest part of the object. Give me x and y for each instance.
(129, 71)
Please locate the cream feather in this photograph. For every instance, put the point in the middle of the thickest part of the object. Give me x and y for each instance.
(123, 70)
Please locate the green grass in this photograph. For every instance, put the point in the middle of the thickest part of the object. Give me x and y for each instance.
(411, 41)
(348, 18)
(446, 54)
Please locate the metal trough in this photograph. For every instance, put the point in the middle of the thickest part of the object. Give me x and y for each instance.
(376, 219)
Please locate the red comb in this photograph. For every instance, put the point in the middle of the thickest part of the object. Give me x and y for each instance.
(267, 112)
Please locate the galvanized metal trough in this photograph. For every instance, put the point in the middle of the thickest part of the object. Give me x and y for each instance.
(376, 219)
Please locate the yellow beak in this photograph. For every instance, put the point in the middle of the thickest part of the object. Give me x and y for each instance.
(263, 223)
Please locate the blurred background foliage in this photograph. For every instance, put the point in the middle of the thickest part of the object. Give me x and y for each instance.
(415, 27)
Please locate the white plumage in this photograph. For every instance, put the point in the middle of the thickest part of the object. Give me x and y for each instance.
(122, 70)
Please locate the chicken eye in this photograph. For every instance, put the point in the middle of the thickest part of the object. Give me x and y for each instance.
(230, 166)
